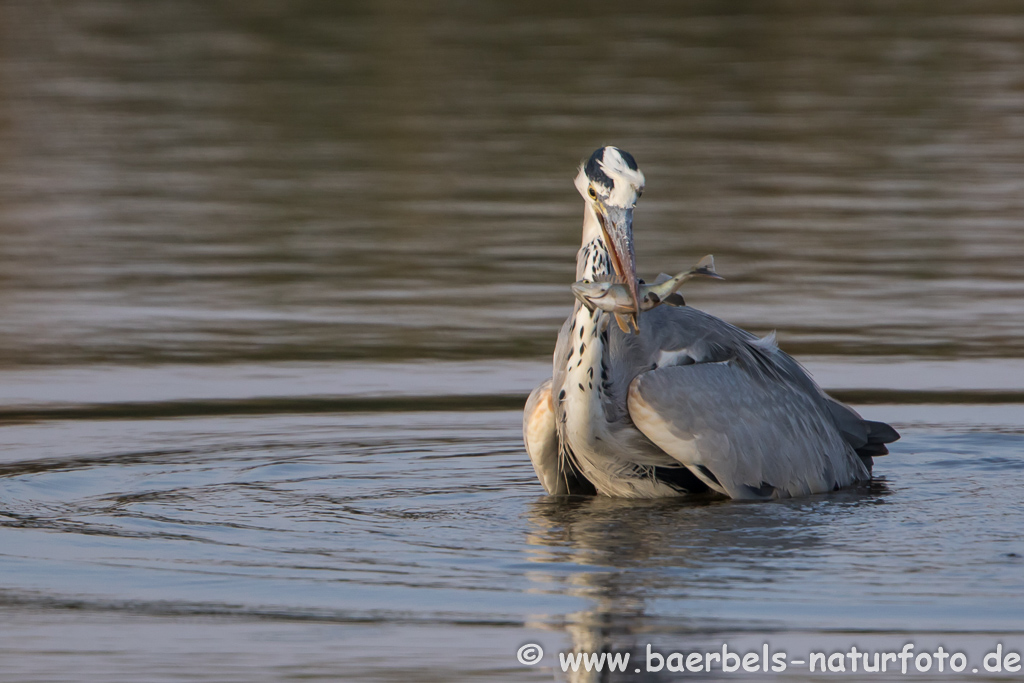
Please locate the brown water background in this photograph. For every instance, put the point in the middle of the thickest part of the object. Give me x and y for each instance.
(276, 276)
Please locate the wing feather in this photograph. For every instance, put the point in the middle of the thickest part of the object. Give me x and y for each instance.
(541, 438)
(745, 434)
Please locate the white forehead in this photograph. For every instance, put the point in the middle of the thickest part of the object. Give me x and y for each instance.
(625, 182)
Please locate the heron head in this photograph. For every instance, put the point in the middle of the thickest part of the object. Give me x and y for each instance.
(611, 184)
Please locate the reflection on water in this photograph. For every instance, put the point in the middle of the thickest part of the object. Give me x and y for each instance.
(863, 567)
(626, 557)
(428, 529)
(275, 275)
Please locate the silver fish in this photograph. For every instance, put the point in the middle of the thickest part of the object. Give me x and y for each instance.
(617, 299)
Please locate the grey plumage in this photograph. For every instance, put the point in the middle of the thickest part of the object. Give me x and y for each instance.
(689, 403)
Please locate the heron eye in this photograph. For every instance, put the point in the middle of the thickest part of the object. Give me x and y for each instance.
(592, 192)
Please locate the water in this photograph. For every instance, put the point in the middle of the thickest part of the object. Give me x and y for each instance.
(276, 280)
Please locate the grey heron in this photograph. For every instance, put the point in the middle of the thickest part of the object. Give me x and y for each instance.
(689, 404)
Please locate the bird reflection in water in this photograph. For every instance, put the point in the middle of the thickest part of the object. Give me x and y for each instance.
(688, 556)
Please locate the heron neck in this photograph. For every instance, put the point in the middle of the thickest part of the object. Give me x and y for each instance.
(591, 226)
(593, 262)
(582, 396)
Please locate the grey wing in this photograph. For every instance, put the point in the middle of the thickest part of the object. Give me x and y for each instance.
(744, 437)
(679, 336)
(541, 438)
(866, 437)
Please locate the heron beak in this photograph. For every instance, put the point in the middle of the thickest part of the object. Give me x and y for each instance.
(617, 226)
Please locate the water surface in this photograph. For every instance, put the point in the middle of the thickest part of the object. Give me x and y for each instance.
(277, 278)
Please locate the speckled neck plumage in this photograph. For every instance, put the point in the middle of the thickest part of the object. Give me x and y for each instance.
(586, 375)
(593, 262)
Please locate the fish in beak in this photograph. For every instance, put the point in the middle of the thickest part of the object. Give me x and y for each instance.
(617, 226)
(615, 297)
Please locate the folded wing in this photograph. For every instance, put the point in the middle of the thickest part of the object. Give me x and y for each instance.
(744, 433)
